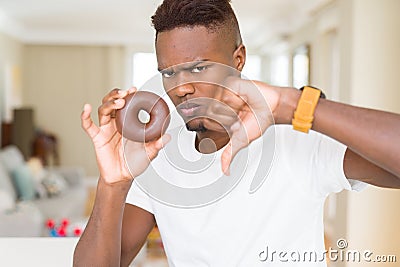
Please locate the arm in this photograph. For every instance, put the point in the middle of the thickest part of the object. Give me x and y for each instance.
(136, 226)
(114, 239)
(100, 243)
(370, 135)
(106, 237)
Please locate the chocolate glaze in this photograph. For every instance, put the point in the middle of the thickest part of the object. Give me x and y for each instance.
(128, 123)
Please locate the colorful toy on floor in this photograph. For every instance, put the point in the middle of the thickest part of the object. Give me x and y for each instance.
(62, 229)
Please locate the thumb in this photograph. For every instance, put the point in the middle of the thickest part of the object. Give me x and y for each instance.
(238, 141)
(86, 122)
(154, 147)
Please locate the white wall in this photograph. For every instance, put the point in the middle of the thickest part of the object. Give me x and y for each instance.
(374, 215)
(11, 54)
(376, 54)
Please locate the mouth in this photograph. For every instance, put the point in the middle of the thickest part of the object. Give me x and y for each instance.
(189, 109)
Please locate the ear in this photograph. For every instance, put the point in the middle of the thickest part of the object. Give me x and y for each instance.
(239, 57)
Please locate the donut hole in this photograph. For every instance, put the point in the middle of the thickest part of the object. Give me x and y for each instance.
(143, 116)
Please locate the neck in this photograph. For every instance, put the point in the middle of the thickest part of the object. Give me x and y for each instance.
(209, 141)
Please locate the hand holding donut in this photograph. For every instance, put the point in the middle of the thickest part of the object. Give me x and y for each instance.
(109, 144)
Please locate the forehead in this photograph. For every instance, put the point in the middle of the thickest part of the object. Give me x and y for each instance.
(187, 44)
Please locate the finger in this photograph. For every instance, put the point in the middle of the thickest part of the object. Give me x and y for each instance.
(238, 141)
(117, 93)
(114, 97)
(113, 94)
(245, 89)
(106, 111)
(132, 90)
(226, 159)
(225, 103)
(152, 148)
(229, 154)
(222, 113)
(232, 99)
(87, 124)
(253, 124)
(219, 124)
(256, 94)
(221, 109)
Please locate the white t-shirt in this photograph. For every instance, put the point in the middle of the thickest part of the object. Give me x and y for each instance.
(277, 225)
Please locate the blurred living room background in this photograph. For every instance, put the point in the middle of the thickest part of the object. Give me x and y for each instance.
(55, 56)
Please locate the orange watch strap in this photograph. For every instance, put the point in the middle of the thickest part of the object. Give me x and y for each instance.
(304, 114)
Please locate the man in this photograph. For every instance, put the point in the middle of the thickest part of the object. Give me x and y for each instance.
(285, 213)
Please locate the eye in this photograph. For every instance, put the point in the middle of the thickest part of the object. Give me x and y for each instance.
(198, 69)
(167, 74)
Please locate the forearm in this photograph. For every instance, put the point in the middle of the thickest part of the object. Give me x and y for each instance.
(370, 133)
(100, 244)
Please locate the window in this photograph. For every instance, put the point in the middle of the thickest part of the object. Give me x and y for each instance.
(252, 68)
(301, 66)
(280, 70)
(144, 68)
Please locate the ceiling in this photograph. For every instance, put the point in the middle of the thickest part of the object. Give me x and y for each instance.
(128, 21)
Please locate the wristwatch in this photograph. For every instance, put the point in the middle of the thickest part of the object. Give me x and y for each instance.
(322, 95)
(304, 114)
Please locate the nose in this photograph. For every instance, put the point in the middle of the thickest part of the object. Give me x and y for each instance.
(183, 84)
(184, 89)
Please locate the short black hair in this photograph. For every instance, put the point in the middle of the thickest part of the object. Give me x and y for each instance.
(212, 14)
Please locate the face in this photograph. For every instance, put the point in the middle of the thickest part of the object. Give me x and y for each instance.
(192, 60)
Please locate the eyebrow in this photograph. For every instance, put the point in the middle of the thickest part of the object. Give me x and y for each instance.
(187, 65)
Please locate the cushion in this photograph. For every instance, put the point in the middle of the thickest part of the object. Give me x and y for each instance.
(23, 182)
(54, 183)
(6, 182)
(38, 174)
(72, 175)
(36, 167)
(6, 201)
(11, 157)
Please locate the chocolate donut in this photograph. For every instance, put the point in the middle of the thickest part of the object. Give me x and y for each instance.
(128, 123)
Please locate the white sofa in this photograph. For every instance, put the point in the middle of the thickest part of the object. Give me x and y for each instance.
(27, 217)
